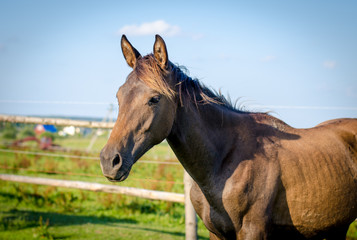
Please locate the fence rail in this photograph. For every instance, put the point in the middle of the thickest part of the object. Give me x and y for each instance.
(79, 157)
(97, 187)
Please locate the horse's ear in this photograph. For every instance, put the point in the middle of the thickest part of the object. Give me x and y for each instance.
(129, 52)
(160, 52)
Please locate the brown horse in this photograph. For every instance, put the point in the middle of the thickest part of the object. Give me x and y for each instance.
(254, 176)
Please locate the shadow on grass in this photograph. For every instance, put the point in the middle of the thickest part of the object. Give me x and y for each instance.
(58, 219)
(29, 219)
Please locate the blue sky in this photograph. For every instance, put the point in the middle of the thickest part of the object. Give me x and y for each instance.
(297, 59)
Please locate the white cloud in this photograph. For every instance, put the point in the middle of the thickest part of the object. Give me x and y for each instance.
(329, 64)
(268, 58)
(150, 28)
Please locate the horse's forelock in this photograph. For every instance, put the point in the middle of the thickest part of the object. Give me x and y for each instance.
(150, 73)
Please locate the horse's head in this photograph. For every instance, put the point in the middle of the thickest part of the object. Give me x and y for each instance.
(146, 110)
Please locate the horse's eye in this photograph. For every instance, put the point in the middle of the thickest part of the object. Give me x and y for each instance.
(154, 100)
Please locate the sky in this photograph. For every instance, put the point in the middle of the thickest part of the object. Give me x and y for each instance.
(295, 59)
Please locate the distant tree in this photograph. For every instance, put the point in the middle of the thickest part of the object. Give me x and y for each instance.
(27, 131)
(9, 131)
(48, 135)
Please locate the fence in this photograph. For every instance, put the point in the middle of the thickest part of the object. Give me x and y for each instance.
(190, 215)
(97, 187)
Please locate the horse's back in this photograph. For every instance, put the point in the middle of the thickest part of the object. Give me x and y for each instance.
(318, 178)
(345, 131)
(348, 122)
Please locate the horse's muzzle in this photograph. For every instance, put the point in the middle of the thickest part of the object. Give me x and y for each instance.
(112, 166)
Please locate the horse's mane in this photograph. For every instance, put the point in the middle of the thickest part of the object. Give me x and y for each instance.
(187, 89)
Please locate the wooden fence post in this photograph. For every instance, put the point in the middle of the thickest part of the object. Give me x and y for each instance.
(190, 214)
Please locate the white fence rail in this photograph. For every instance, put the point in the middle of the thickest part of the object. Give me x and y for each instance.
(97, 187)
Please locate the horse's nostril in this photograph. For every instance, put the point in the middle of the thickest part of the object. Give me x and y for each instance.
(116, 160)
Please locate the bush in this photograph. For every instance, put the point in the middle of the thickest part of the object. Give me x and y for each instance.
(9, 131)
(48, 135)
(27, 132)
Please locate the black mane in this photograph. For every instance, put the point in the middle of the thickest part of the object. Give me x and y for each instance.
(191, 89)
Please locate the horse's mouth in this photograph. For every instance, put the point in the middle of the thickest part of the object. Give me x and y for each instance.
(118, 178)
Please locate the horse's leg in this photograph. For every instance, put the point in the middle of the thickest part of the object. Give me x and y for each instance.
(213, 236)
(257, 220)
(253, 230)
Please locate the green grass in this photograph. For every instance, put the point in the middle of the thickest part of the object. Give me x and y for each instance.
(41, 212)
(81, 143)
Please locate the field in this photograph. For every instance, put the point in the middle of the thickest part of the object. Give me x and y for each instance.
(42, 212)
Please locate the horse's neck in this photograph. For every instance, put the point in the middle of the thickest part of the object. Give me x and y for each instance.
(203, 138)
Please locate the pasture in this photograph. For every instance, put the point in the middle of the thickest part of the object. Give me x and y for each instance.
(41, 212)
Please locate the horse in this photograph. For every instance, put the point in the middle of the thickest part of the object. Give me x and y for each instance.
(254, 176)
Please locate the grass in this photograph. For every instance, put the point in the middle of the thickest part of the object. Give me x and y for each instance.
(41, 212)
